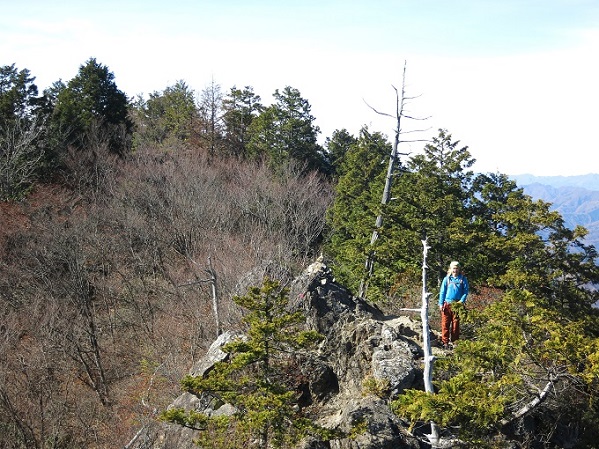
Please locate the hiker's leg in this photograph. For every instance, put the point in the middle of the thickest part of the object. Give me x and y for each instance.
(455, 327)
(445, 324)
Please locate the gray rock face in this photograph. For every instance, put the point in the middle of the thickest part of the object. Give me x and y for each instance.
(361, 347)
(214, 354)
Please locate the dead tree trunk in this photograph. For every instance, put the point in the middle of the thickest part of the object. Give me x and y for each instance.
(429, 359)
(213, 288)
(369, 264)
(212, 272)
(391, 168)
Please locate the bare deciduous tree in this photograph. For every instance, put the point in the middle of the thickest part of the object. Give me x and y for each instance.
(20, 157)
(88, 288)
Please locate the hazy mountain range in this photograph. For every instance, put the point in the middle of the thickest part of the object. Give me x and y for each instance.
(575, 197)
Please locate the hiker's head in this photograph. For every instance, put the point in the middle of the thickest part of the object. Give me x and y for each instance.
(454, 267)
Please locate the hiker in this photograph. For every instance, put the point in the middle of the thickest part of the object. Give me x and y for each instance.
(454, 288)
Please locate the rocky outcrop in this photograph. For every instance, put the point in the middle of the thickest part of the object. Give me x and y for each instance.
(364, 352)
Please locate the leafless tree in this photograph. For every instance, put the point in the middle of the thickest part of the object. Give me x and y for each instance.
(210, 109)
(95, 333)
(20, 157)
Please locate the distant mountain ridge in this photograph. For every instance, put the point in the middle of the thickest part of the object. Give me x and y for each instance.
(576, 198)
(589, 181)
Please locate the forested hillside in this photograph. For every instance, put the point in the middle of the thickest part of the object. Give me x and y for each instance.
(105, 299)
(128, 226)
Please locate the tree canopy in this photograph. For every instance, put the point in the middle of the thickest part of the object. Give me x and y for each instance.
(240, 106)
(286, 131)
(92, 102)
(18, 95)
(166, 117)
(21, 132)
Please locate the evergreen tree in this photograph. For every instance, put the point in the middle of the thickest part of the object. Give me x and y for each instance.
(431, 200)
(49, 99)
(22, 133)
(337, 147)
(253, 379)
(503, 237)
(540, 337)
(522, 244)
(286, 131)
(525, 359)
(91, 101)
(165, 118)
(240, 108)
(357, 203)
(18, 96)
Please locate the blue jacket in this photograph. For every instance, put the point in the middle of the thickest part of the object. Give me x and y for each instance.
(453, 289)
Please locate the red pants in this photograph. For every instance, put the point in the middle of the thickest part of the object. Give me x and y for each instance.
(450, 325)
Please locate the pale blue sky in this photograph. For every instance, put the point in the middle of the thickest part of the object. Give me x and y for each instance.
(516, 81)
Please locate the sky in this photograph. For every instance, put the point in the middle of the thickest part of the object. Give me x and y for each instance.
(514, 80)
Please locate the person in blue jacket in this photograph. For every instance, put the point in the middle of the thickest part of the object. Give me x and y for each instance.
(454, 288)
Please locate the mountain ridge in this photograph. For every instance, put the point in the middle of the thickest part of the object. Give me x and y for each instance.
(589, 181)
(576, 198)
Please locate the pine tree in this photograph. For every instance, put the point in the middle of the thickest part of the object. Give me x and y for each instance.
(241, 107)
(430, 200)
(18, 96)
(91, 101)
(524, 359)
(165, 118)
(286, 131)
(253, 379)
(337, 147)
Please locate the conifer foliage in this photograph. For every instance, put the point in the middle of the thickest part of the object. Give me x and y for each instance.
(253, 379)
(524, 361)
(92, 102)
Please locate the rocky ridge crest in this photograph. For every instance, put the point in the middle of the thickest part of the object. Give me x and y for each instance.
(361, 345)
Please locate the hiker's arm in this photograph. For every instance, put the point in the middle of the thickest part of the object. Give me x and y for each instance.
(442, 293)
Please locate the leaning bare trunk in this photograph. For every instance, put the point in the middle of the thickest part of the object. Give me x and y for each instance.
(369, 264)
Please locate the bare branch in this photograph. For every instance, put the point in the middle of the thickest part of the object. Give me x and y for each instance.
(417, 131)
(413, 140)
(199, 281)
(417, 118)
(538, 399)
(376, 111)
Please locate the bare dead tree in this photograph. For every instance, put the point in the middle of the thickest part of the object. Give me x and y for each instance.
(429, 358)
(213, 287)
(400, 112)
(536, 400)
